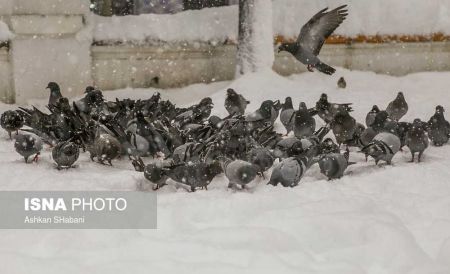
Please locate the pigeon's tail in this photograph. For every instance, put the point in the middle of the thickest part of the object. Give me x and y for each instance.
(324, 68)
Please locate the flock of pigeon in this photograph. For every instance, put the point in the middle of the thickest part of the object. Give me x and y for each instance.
(191, 147)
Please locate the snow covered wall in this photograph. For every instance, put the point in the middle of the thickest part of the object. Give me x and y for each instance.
(381, 17)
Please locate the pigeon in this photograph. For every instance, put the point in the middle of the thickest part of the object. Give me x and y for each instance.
(262, 116)
(153, 137)
(235, 103)
(343, 126)
(105, 147)
(276, 107)
(11, 121)
(262, 158)
(239, 172)
(196, 113)
(288, 147)
(304, 123)
(65, 154)
(289, 171)
(312, 37)
(195, 175)
(438, 128)
(55, 93)
(341, 83)
(383, 147)
(287, 115)
(154, 173)
(328, 146)
(27, 145)
(333, 165)
(370, 117)
(327, 110)
(398, 107)
(417, 139)
(187, 152)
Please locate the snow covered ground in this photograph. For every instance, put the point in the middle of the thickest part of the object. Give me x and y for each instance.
(375, 220)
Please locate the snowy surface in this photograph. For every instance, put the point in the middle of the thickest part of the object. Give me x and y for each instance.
(5, 33)
(384, 17)
(375, 220)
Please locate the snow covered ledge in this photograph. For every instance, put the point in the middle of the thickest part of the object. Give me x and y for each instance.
(51, 41)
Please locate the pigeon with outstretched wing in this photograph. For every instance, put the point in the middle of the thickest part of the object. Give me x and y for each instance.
(312, 37)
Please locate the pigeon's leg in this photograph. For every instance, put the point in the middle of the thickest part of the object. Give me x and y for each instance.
(9, 133)
(36, 157)
(17, 132)
(206, 187)
(420, 156)
(367, 157)
(412, 159)
(109, 162)
(310, 68)
(262, 175)
(26, 160)
(156, 187)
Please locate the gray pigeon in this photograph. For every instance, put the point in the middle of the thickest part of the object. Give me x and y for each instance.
(262, 116)
(343, 126)
(262, 158)
(383, 147)
(194, 175)
(27, 145)
(288, 147)
(341, 83)
(235, 103)
(304, 123)
(65, 154)
(155, 174)
(417, 139)
(11, 121)
(370, 117)
(55, 93)
(287, 115)
(398, 107)
(289, 172)
(239, 172)
(312, 37)
(105, 147)
(333, 165)
(438, 127)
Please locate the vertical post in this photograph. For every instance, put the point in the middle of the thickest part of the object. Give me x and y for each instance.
(52, 42)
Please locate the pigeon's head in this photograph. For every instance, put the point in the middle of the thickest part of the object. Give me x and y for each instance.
(440, 109)
(289, 47)
(400, 96)
(288, 103)
(302, 106)
(266, 108)
(53, 86)
(231, 92)
(375, 109)
(324, 97)
(89, 89)
(206, 102)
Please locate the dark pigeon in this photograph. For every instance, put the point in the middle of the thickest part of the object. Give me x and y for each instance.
(398, 107)
(287, 115)
(11, 121)
(262, 116)
(65, 154)
(154, 173)
(262, 158)
(341, 83)
(28, 145)
(370, 117)
(194, 175)
(438, 128)
(105, 148)
(417, 139)
(327, 110)
(235, 103)
(312, 37)
(343, 126)
(55, 93)
(304, 123)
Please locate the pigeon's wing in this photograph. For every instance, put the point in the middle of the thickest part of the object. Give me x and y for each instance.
(314, 33)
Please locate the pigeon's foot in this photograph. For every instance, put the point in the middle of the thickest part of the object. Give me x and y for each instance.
(310, 68)
(36, 157)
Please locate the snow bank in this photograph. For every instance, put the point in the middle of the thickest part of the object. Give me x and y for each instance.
(383, 17)
(389, 219)
(5, 34)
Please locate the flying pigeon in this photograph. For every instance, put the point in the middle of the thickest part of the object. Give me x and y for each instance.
(417, 139)
(27, 145)
(312, 37)
(11, 121)
(438, 127)
(235, 103)
(65, 154)
(398, 107)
